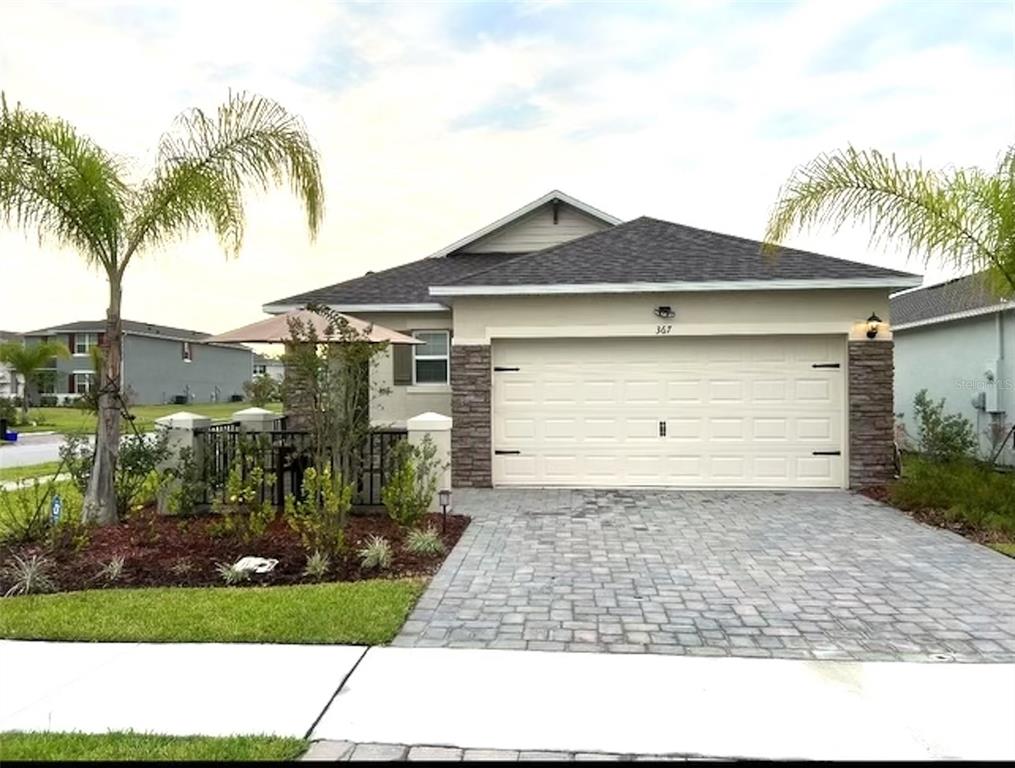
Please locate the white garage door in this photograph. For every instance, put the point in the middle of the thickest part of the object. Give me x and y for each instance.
(673, 411)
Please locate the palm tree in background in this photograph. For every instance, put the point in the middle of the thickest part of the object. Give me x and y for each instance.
(27, 361)
(963, 218)
(58, 183)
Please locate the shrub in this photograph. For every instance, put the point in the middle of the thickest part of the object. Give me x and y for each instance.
(376, 553)
(943, 437)
(244, 510)
(185, 484)
(317, 566)
(230, 574)
(8, 411)
(26, 515)
(412, 481)
(320, 513)
(30, 576)
(261, 390)
(963, 490)
(112, 570)
(424, 542)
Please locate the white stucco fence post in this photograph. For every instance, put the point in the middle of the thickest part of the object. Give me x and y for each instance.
(438, 427)
(181, 429)
(255, 419)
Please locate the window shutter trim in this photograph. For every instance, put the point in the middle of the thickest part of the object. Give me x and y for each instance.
(401, 360)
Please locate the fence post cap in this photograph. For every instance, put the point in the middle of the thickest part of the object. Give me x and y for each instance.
(183, 420)
(429, 422)
(254, 413)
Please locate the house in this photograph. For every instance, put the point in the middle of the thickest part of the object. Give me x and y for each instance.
(957, 341)
(268, 366)
(573, 349)
(8, 379)
(160, 364)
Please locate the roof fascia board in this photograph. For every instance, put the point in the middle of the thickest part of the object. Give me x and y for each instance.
(526, 209)
(686, 286)
(956, 316)
(280, 309)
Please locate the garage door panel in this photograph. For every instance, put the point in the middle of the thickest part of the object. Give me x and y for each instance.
(737, 412)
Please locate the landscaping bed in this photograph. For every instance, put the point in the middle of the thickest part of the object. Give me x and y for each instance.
(170, 551)
(965, 497)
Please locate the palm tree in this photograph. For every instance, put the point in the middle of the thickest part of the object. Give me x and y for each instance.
(60, 184)
(964, 218)
(26, 360)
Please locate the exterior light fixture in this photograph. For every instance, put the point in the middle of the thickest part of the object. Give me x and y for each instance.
(872, 325)
(665, 312)
(444, 498)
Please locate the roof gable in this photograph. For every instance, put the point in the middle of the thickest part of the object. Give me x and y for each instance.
(650, 254)
(526, 230)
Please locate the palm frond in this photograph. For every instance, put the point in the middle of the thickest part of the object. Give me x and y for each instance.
(205, 163)
(26, 359)
(947, 215)
(59, 183)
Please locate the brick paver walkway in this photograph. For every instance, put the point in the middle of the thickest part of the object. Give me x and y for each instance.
(826, 575)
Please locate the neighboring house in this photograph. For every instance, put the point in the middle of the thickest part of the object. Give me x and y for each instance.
(160, 364)
(957, 341)
(268, 366)
(574, 350)
(8, 379)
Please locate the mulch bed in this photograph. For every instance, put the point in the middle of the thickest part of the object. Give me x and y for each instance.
(162, 551)
(937, 518)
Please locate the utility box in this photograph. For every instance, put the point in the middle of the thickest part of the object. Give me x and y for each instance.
(992, 388)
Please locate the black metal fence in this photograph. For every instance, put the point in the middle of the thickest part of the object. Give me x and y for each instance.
(286, 455)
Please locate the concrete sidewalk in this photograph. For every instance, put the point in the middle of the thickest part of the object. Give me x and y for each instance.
(516, 700)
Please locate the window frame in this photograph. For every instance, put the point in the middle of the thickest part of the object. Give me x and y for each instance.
(91, 340)
(89, 378)
(446, 357)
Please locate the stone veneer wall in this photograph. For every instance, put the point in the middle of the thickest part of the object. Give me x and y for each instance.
(471, 386)
(871, 416)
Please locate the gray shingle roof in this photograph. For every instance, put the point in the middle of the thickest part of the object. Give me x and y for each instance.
(959, 295)
(129, 326)
(648, 250)
(405, 284)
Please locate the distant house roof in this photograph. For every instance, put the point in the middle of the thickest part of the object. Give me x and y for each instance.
(9, 335)
(962, 297)
(129, 327)
(651, 254)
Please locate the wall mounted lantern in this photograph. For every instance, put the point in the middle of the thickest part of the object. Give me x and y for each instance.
(665, 312)
(872, 325)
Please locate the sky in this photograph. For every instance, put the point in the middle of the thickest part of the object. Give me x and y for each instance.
(434, 119)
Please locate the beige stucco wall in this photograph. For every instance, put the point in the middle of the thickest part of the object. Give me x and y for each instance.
(478, 320)
(404, 402)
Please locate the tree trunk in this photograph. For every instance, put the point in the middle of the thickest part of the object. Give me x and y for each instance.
(100, 498)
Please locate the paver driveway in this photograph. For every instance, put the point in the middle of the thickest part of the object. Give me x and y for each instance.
(826, 575)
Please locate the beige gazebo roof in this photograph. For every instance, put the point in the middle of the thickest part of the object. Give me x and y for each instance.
(275, 329)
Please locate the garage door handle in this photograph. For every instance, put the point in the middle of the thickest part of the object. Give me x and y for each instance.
(825, 365)
(499, 368)
(507, 453)
(826, 453)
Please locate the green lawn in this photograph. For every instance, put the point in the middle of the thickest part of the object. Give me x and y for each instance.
(70, 419)
(35, 470)
(57, 747)
(1005, 549)
(365, 612)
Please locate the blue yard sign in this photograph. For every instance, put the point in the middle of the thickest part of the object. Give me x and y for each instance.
(55, 508)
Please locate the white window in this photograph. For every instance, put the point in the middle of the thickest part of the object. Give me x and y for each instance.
(187, 352)
(431, 358)
(260, 369)
(83, 383)
(83, 342)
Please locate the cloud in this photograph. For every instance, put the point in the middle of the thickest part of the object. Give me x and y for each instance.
(434, 119)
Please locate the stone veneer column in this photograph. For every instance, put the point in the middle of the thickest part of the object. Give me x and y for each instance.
(471, 385)
(871, 416)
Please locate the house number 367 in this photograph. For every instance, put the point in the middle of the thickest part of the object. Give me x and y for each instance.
(662, 330)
